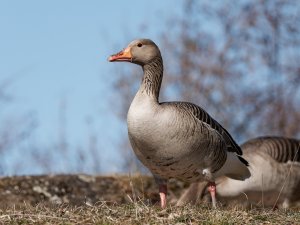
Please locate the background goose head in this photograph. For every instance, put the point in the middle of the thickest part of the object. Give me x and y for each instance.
(140, 51)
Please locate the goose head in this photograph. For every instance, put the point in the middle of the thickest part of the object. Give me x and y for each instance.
(140, 51)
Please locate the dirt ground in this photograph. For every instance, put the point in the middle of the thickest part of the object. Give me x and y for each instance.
(81, 189)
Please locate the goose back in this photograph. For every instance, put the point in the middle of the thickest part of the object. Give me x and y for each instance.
(281, 149)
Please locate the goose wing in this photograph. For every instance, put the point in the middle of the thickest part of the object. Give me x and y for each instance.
(204, 117)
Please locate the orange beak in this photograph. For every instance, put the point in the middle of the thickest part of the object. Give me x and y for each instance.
(123, 56)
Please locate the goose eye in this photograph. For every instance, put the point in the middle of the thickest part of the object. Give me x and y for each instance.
(139, 44)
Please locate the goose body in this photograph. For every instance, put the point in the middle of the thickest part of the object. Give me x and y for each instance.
(176, 139)
(275, 175)
(174, 144)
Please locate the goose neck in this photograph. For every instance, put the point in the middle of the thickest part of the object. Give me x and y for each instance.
(153, 74)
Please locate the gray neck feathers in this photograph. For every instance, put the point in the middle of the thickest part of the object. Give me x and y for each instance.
(153, 74)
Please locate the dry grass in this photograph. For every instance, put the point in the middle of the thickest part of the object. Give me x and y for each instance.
(139, 213)
(133, 197)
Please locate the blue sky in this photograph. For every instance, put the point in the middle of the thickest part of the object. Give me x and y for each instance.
(56, 52)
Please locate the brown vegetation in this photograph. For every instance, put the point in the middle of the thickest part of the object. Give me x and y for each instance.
(83, 199)
(137, 213)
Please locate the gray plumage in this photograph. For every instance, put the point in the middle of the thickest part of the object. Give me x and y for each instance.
(281, 149)
(176, 139)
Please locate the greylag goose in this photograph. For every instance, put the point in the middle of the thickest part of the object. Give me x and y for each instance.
(175, 139)
(275, 175)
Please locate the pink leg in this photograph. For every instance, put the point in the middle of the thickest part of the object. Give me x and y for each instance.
(163, 195)
(212, 190)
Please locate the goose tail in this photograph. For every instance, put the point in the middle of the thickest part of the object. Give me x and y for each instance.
(235, 167)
